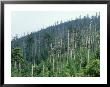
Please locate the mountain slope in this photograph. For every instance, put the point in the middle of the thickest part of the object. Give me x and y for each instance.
(72, 44)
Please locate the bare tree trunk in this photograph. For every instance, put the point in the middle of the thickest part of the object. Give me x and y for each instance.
(61, 42)
(15, 65)
(57, 66)
(24, 49)
(68, 42)
(88, 50)
(53, 65)
(19, 69)
(35, 47)
(43, 69)
(88, 55)
(80, 58)
(32, 71)
(71, 53)
(89, 45)
(19, 66)
(68, 47)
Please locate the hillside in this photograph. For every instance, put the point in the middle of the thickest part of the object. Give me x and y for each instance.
(69, 48)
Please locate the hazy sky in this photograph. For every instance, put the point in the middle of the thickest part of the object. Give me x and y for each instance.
(29, 21)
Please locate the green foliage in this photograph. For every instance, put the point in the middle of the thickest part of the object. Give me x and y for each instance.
(14, 72)
(97, 54)
(16, 55)
(93, 68)
(19, 66)
(80, 73)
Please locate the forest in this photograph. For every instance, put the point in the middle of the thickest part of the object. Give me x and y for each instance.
(64, 49)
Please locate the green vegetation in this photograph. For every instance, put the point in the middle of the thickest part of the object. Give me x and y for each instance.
(69, 49)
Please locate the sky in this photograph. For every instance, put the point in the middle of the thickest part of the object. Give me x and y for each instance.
(24, 22)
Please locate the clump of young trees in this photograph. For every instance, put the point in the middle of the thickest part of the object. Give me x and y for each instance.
(69, 49)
